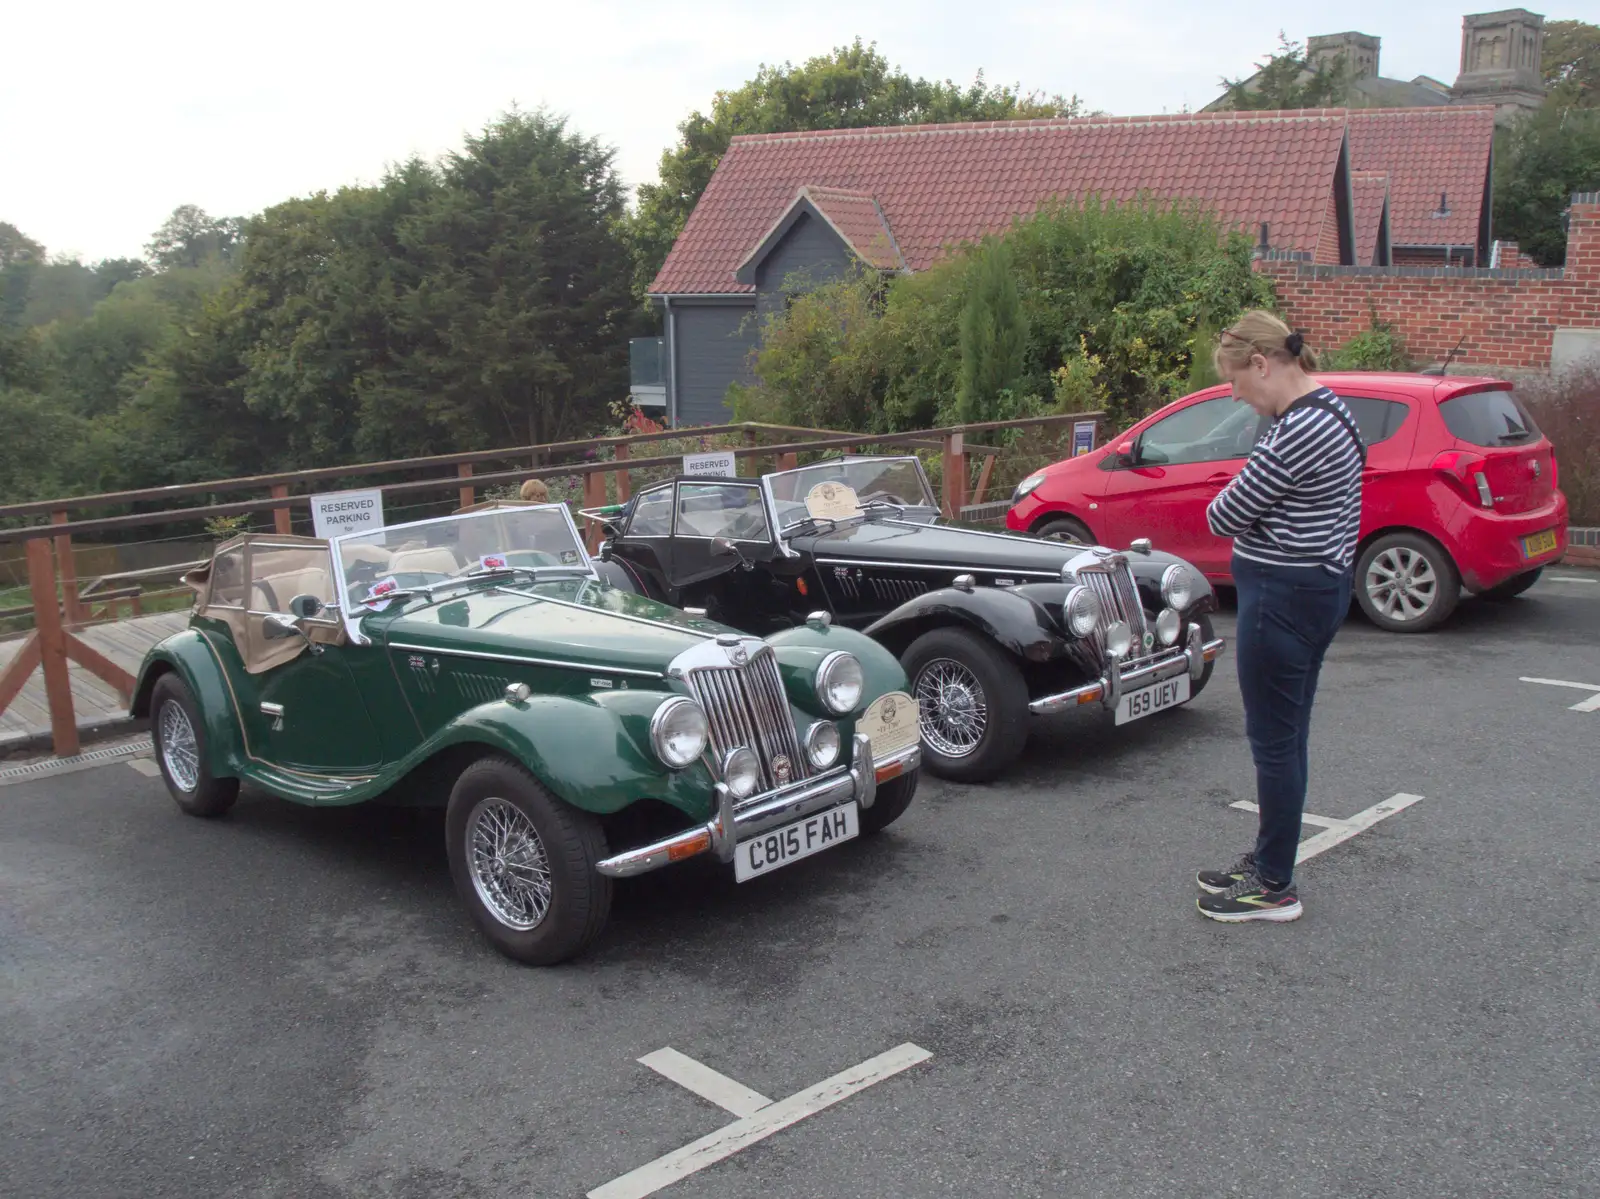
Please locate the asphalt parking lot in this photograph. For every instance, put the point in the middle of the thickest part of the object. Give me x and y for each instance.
(291, 1003)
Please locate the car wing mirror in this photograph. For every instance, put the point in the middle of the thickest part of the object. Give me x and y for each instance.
(722, 547)
(277, 626)
(1127, 452)
(306, 606)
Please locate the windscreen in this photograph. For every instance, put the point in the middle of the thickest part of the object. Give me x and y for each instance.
(436, 550)
(897, 481)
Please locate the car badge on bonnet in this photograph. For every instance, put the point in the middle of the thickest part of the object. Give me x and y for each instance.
(734, 645)
(782, 770)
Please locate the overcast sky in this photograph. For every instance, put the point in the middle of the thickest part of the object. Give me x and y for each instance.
(112, 114)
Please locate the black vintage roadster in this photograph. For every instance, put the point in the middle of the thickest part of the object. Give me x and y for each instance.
(990, 627)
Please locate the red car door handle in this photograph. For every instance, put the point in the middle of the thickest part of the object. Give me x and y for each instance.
(1220, 479)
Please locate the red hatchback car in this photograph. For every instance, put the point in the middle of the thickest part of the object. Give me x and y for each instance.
(1459, 493)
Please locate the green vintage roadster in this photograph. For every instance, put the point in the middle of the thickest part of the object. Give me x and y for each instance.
(574, 732)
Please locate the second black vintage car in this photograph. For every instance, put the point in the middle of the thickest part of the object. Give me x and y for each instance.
(990, 627)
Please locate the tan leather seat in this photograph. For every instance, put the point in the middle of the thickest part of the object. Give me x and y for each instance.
(433, 561)
(290, 583)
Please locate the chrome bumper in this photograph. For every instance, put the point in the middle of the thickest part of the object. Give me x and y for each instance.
(740, 820)
(1118, 678)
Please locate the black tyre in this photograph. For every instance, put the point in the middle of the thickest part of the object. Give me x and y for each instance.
(524, 863)
(178, 733)
(1196, 686)
(894, 797)
(1406, 583)
(1513, 587)
(972, 703)
(1065, 528)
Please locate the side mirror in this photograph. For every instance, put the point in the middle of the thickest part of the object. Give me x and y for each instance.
(723, 546)
(278, 627)
(305, 606)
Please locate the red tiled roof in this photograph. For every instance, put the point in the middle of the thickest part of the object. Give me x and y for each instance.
(941, 184)
(1426, 152)
(1371, 193)
(857, 219)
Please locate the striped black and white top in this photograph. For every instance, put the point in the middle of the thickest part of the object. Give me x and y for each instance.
(1297, 502)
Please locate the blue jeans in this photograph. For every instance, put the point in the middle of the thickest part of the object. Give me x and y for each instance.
(1287, 618)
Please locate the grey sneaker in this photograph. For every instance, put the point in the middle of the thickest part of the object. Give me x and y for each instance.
(1215, 882)
(1251, 899)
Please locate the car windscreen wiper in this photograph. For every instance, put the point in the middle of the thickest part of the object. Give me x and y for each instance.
(1516, 436)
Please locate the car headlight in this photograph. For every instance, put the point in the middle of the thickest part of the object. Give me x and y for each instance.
(1168, 625)
(678, 732)
(741, 771)
(839, 682)
(1119, 637)
(1177, 586)
(822, 744)
(1082, 611)
(1026, 486)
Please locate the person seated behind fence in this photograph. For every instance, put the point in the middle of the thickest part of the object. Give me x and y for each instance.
(535, 491)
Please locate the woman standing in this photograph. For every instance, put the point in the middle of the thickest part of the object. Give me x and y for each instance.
(1294, 513)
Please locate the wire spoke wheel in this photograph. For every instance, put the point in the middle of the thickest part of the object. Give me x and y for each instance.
(508, 864)
(180, 748)
(952, 707)
(1402, 584)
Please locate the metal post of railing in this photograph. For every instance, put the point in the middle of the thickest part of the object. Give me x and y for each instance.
(52, 647)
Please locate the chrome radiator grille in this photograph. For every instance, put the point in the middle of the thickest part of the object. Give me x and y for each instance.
(1112, 584)
(746, 705)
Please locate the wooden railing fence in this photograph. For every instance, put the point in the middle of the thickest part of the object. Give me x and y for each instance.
(60, 611)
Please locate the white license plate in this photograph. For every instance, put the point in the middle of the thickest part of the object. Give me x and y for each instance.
(1155, 698)
(790, 843)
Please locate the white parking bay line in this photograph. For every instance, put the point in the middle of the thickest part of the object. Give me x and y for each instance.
(705, 1082)
(1336, 832)
(1244, 805)
(1571, 579)
(1592, 704)
(146, 766)
(708, 1150)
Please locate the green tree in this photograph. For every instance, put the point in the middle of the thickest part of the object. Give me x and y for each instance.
(20, 257)
(1287, 79)
(524, 306)
(63, 290)
(190, 236)
(1571, 65)
(994, 337)
(852, 87)
(1539, 162)
(113, 271)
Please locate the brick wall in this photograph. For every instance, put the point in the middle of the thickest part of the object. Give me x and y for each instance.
(1508, 316)
(1511, 258)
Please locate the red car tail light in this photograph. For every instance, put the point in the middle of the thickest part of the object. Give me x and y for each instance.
(1464, 470)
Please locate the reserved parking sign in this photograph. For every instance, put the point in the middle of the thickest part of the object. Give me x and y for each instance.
(338, 512)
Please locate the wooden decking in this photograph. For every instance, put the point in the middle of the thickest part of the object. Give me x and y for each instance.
(93, 702)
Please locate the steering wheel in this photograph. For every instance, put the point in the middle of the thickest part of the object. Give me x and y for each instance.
(266, 590)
